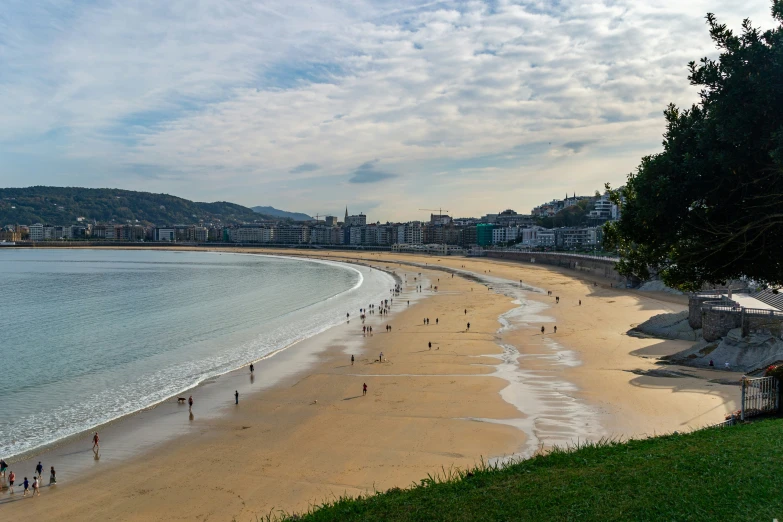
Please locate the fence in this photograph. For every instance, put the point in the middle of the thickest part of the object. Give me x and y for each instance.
(720, 306)
(760, 395)
(560, 254)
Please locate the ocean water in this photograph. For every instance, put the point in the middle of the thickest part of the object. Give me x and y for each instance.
(88, 336)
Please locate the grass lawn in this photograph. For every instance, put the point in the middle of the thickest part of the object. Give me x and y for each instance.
(719, 474)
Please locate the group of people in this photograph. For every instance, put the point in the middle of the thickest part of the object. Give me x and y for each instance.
(10, 477)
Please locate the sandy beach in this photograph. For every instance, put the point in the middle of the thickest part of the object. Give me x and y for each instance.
(303, 432)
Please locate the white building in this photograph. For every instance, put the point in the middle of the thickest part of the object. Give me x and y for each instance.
(530, 236)
(251, 235)
(292, 234)
(410, 233)
(355, 235)
(505, 234)
(359, 220)
(36, 232)
(162, 234)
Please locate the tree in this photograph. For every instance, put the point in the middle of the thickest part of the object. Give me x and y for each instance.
(709, 208)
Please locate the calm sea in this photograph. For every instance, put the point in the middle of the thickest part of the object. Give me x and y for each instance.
(90, 335)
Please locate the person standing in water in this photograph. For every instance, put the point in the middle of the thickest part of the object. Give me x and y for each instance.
(11, 480)
(96, 442)
(39, 469)
(236, 396)
(3, 467)
(36, 487)
(251, 368)
(351, 360)
(190, 403)
(52, 476)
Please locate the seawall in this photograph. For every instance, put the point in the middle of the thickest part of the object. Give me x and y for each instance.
(604, 267)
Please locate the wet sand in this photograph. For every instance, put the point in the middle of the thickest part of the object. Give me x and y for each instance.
(479, 394)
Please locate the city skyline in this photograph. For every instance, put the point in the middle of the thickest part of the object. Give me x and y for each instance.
(475, 106)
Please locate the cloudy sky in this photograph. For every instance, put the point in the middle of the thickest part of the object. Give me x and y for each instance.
(384, 106)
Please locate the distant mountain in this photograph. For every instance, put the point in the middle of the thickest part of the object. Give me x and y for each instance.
(272, 211)
(62, 205)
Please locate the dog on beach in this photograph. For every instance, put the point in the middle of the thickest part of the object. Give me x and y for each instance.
(181, 400)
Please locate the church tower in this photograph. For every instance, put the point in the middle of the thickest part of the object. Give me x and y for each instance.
(346, 212)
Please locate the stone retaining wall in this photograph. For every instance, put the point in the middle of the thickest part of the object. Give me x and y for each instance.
(593, 266)
(716, 324)
(761, 324)
(694, 308)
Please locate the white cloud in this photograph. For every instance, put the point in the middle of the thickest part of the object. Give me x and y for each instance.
(239, 95)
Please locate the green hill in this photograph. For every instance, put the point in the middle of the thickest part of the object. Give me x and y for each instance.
(716, 474)
(272, 211)
(62, 205)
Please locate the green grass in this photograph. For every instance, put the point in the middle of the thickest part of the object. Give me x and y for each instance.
(718, 474)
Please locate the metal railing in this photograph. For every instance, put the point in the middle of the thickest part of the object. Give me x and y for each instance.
(560, 254)
(720, 306)
(760, 395)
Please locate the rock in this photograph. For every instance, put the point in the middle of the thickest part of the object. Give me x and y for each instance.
(669, 326)
(744, 354)
(658, 286)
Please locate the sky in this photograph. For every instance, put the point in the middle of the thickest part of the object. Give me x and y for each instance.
(385, 106)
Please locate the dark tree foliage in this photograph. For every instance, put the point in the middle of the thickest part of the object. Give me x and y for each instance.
(573, 216)
(709, 208)
(62, 205)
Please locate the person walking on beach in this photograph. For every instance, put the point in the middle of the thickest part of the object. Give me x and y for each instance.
(236, 396)
(580, 302)
(542, 330)
(26, 485)
(351, 360)
(380, 359)
(39, 469)
(430, 345)
(466, 311)
(436, 320)
(52, 476)
(555, 329)
(468, 326)
(11, 480)
(364, 389)
(190, 403)
(96, 442)
(36, 488)
(251, 368)
(3, 467)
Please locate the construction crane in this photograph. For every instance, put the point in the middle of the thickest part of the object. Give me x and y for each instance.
(440, 210)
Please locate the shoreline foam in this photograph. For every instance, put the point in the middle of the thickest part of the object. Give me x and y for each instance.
(279, 449)
(161, 396)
